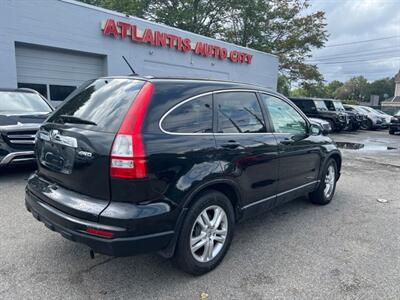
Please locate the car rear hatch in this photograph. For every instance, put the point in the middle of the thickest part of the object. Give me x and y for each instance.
(73, 147)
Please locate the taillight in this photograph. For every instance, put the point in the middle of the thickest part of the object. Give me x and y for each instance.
(127, 153)
(99, 232)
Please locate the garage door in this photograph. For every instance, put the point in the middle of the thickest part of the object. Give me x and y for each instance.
(55, 73)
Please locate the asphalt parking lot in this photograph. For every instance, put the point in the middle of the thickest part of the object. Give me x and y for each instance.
(349, 249)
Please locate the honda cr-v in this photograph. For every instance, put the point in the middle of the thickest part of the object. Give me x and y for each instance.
(133, 164)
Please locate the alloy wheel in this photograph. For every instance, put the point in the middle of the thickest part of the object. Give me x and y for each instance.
(208, 234)
(329, 182)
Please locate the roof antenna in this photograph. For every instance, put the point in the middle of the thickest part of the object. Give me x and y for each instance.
(130, 67)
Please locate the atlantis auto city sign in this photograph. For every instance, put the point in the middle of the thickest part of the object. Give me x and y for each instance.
(123, 30)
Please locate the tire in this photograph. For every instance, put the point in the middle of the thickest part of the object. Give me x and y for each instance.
(333, 128)
(364, 125)
(369, 125)
(391, 131)
(199, 263)
(321, 196)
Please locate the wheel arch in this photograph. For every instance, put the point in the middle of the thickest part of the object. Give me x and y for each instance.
(338, 159)
(226, 186)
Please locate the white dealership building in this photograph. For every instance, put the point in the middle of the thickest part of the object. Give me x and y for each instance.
(55, 45)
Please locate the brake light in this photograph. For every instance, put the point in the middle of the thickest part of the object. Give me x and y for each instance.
(99, 232)
(127, 153)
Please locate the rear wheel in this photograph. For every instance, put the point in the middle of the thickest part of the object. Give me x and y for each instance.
(391, 131)
(324, 194)
(206, 234)
(369, 125)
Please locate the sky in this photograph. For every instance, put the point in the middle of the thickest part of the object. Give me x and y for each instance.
(354, 23)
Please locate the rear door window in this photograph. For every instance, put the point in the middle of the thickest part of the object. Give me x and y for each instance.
(103, 103)
(194, 116)
(238, 112)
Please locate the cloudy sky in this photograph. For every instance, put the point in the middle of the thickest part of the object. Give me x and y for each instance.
(364, 39)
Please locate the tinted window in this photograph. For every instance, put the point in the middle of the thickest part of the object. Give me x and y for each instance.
(22, 102)
(60, 92)
(320, 105)
(283, 116)
(194, 116)
(103, 101)
(238, 112)
(40, 88)
(338, 105)
(329, 105)
(305, 105)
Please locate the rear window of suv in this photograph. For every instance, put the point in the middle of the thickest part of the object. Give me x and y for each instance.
(102, 104)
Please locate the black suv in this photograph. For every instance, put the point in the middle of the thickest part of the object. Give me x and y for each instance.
(135, 164)
(395, 123)
(361, 117)
(22, 111)
(316, 108)
(354, 120)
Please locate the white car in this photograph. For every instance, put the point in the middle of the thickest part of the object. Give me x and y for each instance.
(387, 116)
(375, 119)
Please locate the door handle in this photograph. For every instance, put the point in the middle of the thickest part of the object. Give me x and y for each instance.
(287, 141)
(231, 145)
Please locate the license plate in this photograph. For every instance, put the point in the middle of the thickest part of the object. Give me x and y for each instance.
(56, 157)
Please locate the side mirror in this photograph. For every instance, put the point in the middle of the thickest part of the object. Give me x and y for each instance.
(315, 129)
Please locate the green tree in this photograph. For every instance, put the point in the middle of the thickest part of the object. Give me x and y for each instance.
(357, 88)
(283, 28)
(332, 87)
(384, 88)
(283, 85)
(205, 17)
(315, 90)
(130, 7)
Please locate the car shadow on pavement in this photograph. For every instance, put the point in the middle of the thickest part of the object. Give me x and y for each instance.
(16, 171)
(107, 273)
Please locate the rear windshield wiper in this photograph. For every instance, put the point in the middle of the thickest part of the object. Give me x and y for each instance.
(72, 119)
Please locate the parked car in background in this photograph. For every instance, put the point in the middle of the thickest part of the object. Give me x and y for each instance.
(395, 123)
(385, 115)
(325, 125)
(173, 164)
(22, 111)
(353, 120)
(316, 108)
(375, 119)
(362, 114)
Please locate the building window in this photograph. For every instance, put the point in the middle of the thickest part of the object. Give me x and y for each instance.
(40, 88)
(60, 92)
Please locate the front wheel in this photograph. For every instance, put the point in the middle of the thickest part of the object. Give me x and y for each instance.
(324, 194)
(206, 234)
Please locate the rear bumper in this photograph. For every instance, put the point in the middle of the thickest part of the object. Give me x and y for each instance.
(394, 127)
(123, 243)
